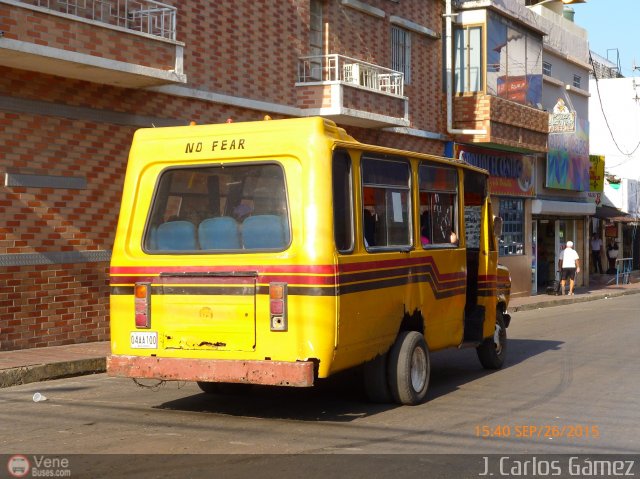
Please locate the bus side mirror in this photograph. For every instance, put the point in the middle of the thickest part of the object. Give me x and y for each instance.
(497, 227)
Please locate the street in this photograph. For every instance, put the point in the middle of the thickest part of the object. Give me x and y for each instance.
(570, 386)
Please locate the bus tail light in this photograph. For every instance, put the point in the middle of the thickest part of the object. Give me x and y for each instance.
(142, 294)
(278, 306)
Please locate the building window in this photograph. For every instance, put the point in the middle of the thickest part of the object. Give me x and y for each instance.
(512, 214)
(546, 68)
(576, 81)
(401, 52)
(514, 62)
(468, 60)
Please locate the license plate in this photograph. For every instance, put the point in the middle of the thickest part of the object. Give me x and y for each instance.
(144, 340)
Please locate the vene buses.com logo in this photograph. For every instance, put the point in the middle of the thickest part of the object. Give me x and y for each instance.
(18, 465)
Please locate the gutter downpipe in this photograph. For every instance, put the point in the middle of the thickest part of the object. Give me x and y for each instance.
(449, 69)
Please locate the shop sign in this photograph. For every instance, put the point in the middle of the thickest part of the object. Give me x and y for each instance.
(568, 159)
(596, 173)
(511, 174)
(561, 120)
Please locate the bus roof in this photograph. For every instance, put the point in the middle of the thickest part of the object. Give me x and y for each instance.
(412, 154)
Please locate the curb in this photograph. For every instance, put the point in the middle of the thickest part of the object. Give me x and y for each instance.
(581, 298)
(44, 372)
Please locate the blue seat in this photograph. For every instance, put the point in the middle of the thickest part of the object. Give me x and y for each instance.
(219, 233)
(176, 236)
(265, 232)
(151, 242)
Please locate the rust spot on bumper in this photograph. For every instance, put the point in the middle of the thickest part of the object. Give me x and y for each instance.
(273, 373)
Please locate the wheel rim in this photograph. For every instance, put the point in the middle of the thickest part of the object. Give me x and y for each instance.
(497, 339)
(418, 369)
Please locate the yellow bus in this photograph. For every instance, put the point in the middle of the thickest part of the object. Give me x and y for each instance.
(281, 252)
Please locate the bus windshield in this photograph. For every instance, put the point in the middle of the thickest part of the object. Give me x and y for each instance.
(232, 208)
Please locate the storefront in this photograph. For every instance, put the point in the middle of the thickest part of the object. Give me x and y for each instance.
(553, 223)
(512, 188)
(562, 208)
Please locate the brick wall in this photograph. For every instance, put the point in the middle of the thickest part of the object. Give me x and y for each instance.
(364, 37)
(51, 305)
(245, 48)
(508, 123)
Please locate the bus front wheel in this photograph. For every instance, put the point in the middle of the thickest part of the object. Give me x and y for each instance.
(492, 351)
(409, 368)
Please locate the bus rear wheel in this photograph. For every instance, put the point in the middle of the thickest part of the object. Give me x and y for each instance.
(493, 350)
(409, 368)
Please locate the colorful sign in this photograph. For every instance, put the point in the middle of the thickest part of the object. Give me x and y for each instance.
(562, 122)
(511, 174)
(596, 173)
(568, 159)
(525, 89)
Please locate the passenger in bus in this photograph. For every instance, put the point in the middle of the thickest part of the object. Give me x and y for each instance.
(424, 228)
(369, 228)
(241, 211)
(453, 237)
(423, 237)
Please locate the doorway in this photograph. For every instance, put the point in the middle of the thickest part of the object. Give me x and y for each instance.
(546, 253)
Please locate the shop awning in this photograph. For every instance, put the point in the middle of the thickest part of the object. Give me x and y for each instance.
(614, 215)
(562, 208)
(605, 212)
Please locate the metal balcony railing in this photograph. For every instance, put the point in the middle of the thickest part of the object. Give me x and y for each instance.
(339, 68)
(146, 16)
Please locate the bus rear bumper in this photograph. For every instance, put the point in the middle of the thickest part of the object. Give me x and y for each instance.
(273, 373)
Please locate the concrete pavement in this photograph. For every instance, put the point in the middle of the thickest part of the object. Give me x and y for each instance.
(41, 364)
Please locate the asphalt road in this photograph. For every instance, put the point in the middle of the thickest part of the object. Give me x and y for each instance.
(571, 386)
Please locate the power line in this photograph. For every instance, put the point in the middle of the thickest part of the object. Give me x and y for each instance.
(595, 76)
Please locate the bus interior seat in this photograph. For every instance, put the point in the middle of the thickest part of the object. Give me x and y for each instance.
(263, 231)
(151, 241)
(219, 233)
(176, 235)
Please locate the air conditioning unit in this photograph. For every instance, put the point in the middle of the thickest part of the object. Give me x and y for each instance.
(351, 73)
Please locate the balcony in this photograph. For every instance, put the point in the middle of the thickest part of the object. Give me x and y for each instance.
(507, 123)
(351, 92)
(126, 43)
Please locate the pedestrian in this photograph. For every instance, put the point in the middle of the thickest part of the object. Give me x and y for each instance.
(612, 255)
(596, 249)
(569, 265)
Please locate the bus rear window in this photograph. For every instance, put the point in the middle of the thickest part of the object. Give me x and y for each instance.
(232, 208)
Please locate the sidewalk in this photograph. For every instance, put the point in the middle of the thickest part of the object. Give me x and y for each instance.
(41, 364)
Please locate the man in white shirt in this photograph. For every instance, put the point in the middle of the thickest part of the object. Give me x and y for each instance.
(569, 265)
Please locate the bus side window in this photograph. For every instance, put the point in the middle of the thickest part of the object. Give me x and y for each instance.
(438, 200)
(342, 201)
(386, 187)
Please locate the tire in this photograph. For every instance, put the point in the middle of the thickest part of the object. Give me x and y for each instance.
(223, 388)
(409, 368)
(376, 385)
(493, 350)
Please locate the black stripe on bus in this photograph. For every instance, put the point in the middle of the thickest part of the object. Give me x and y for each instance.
(455, 288)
